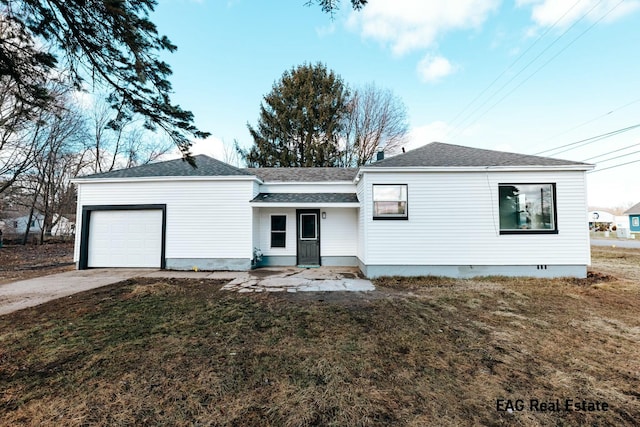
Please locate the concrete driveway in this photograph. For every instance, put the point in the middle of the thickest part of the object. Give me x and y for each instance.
(29, 293)
(621, 243)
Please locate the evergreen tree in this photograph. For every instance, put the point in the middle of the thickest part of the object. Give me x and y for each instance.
(301, 120)
(110, 42)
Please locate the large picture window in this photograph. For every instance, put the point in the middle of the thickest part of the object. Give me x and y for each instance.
(390, 201)
(527, 208)
(278, 231)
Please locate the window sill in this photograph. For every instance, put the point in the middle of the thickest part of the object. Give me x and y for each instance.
(528, 232)
(392, 218)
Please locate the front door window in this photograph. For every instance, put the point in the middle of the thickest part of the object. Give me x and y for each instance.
(308, 226)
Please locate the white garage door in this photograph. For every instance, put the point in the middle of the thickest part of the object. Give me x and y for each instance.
(126, 238)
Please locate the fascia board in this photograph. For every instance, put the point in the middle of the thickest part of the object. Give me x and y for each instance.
(302, 205)
(164, 179)
(533, 168)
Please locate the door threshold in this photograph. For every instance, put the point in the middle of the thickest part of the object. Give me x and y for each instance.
(309, 266)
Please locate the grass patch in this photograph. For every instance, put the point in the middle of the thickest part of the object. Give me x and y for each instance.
(428, 351)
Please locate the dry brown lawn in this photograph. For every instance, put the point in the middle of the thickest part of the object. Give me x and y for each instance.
(416, 352)
(19, 262)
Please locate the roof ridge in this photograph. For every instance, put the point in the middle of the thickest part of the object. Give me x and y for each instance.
(443, 154)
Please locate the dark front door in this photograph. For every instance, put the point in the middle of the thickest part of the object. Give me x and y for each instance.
(308, 236)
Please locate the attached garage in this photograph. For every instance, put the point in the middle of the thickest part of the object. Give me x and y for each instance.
(123, 236)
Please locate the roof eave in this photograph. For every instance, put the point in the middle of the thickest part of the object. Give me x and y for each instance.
(82, 180)
(344, 182)
(527, 168)
(304, 205)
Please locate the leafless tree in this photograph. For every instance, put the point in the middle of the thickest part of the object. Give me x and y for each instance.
(377, 120)
(47, 183)
(118, 141)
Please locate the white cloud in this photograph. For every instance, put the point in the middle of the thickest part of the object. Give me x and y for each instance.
(212, 147)
(431, 132)
(85, 100)
(548, 12)
(408, 25)
(326, 30)
(433, 68)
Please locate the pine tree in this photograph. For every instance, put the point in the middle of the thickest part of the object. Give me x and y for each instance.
(301, 120)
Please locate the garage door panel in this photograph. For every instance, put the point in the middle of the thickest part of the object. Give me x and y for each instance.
(125, 238)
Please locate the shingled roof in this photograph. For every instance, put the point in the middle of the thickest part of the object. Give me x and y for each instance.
(206, 166)
(633, 210)
(438, 154)
(306, 198)
(303, 174)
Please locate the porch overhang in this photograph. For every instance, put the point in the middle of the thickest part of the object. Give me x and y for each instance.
(306, 200)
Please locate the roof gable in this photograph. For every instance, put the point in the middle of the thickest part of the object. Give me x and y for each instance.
(205, 166)
(438, 154)
(633, 210)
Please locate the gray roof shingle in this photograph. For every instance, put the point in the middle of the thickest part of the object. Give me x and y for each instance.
(306, 198)
(438, 154)
(206, 166)
(633, 210)
(303, 174)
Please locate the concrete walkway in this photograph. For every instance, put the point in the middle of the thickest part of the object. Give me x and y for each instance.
(291, 279)
(29, 293)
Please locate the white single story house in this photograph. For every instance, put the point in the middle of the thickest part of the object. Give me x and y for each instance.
(440, 209)
(18, 225)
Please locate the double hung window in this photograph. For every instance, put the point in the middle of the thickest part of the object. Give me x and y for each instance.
(278, 231)
(390, 201)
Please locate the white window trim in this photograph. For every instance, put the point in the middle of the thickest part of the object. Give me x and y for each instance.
(390, 216)
(286, 226)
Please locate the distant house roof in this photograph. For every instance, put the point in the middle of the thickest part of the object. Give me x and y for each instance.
(306, 198)
(206, 166)
(633, 210)
(303, 174)
(438, 154)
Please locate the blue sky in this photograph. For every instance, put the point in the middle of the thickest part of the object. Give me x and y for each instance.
(523, 76)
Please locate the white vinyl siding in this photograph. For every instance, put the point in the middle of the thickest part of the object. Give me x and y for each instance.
(338, 231)
(454, 220)
(264, 231)
(307, 187)
(362, 235)
(205, 219)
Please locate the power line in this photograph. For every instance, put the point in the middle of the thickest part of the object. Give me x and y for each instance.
(617, 157)
(514, 62)
(587, 140)
(614, 166)
(543, 65)
(610, 152)
(591, 120)
(528, 65)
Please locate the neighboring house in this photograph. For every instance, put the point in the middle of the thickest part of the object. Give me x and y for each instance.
(438, 210)
(18, 225)
(634, 218)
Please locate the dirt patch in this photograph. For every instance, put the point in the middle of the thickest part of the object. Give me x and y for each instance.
(18, 262)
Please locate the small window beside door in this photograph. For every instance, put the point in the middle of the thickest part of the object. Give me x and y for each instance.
(278, 231)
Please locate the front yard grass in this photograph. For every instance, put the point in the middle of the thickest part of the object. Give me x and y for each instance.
(416, 352)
